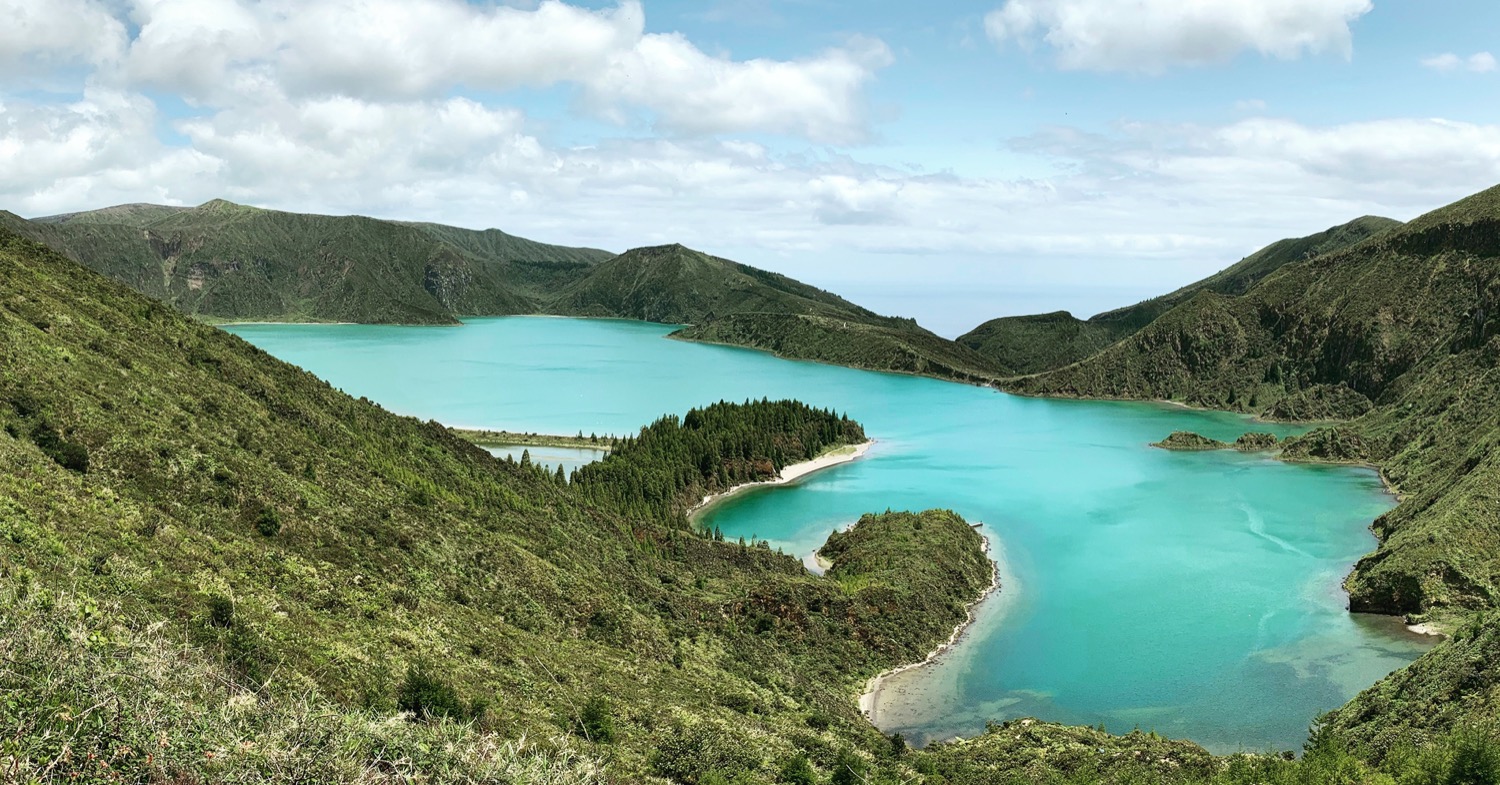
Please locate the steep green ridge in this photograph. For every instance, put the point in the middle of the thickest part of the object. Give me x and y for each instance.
(1400, 332)
(312, 544)
(230, 261)
(671, 284)
(1020, 345)
(1033, 344)
(138, 215)
(878, 346)
(1455, 686)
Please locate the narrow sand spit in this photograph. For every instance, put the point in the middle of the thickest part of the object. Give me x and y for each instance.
(794, 472)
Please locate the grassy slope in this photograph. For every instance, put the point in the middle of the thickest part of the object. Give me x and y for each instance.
(1033, 344)
(397, 543)
(671, 284)
(228, 261)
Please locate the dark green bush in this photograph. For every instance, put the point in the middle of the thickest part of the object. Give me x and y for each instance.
(427, 695)
(798, 771)
(690, 753)
(69, 455)
(268, 521)
(220, 611)
(595, 722)
(849, 769)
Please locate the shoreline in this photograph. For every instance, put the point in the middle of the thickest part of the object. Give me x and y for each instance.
(869, 697)
(790, 474)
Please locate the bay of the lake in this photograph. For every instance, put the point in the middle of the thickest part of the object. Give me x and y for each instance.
(1196, 594)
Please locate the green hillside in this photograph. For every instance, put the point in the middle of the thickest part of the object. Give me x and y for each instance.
(228, 261)
(671, 284)
(1398, 335)
(1019, 345)
(1032, 344)
(901, 347)
(171, 472)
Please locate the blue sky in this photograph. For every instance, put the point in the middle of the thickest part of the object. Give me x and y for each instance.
(947, 161)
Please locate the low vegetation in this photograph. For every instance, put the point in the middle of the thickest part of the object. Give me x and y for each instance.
(1187, 441)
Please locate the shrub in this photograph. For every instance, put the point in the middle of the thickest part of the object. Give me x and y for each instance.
(268, 521)
(691, 753)
(798, 771)
(849, 769)
(70, 455)
(427, 695)
(595, 722)
(220, 611)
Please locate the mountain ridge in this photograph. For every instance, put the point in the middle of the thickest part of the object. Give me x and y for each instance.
(230, 262)
(1025, 345)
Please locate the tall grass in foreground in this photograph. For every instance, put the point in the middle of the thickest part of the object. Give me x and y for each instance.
(85, 698)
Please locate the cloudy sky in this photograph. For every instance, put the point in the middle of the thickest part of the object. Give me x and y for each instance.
(950, 161)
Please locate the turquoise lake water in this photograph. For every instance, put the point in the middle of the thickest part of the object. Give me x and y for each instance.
(1196, 594)
(569, 458)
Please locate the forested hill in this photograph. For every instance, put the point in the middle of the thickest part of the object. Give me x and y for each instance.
(231, 262)
(1021, 345)
(676, 461)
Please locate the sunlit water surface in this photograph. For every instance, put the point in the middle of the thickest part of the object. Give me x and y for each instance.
(1196, 594)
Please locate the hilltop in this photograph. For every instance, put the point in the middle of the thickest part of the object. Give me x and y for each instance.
(1024, 345)
(233, 262)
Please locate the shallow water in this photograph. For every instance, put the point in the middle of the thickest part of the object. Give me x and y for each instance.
(1196, 594)
(570, 458)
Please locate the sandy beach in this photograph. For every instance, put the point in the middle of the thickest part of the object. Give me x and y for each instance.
(869, 699)
(790, 474)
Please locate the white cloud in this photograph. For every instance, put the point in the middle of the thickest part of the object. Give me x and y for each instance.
(1153, 35)
(1479, 63)
(411, 48)
(820, 98)
(39, 34)
(227, 51)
